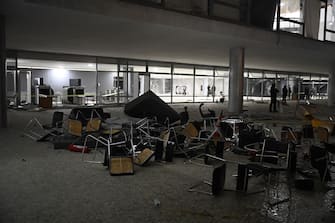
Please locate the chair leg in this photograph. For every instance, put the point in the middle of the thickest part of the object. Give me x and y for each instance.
(193, 188)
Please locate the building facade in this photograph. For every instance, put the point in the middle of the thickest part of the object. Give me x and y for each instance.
(109, 52)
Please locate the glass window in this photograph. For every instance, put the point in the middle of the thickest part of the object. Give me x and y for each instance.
(269, 79)
(282, 76)
(255, 75)
(161, 85)
(292, 17)
(322, 20)
(137, 66)
(330, 36)
(108, 83)
(122, 84)
(182, 88)
(11, 81)
(255, 85)
(323, 93)
(219, 72)
(305, 77)
(183, 70)
(107, 67)
(144, 83)
(204, 88)
(221, 88)
(221, 85)
(208, 72)
(315, 84)
(281, 81)
(330, 15)
(70, 82)
(159, 69)
(270, 75)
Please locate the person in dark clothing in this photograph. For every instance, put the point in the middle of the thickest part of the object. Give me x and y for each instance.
(184, 117)
(289, 92)
(284, 94)
(306, 93)
(273, 103)
(210, 114)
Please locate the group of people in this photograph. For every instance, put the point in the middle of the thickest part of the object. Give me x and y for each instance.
(273, 93)
(286, 92)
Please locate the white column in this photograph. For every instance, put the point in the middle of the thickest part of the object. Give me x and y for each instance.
(331, 90)
(236, 70)
(135, 84)
(146, 80)
(3, 89)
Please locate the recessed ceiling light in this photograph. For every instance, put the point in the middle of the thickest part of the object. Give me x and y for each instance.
(90, 65)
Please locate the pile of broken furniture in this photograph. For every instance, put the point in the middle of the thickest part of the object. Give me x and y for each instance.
(155, 132)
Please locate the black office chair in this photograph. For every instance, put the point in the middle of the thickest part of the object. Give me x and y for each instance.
(319, 160)
(209, 114)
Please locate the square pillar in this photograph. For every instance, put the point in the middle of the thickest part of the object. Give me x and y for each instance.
(331, 90)
(3, 89)
(236, 79)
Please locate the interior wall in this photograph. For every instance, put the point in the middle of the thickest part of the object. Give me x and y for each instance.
(106, 80)
(57, 78)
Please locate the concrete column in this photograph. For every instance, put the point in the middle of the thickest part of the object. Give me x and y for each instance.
(3, 89)
(236, 71)
(331, 90)
(146, 80)
(135, 85)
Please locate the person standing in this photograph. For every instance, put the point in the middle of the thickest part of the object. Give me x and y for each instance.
(184, 116)
(208, 90)
(284, 94)
(289, 92)
(273, 93)
(306, 93)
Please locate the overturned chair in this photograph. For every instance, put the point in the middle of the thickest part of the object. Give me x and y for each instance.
(273, 152)
(41, 132)
(217, 174)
